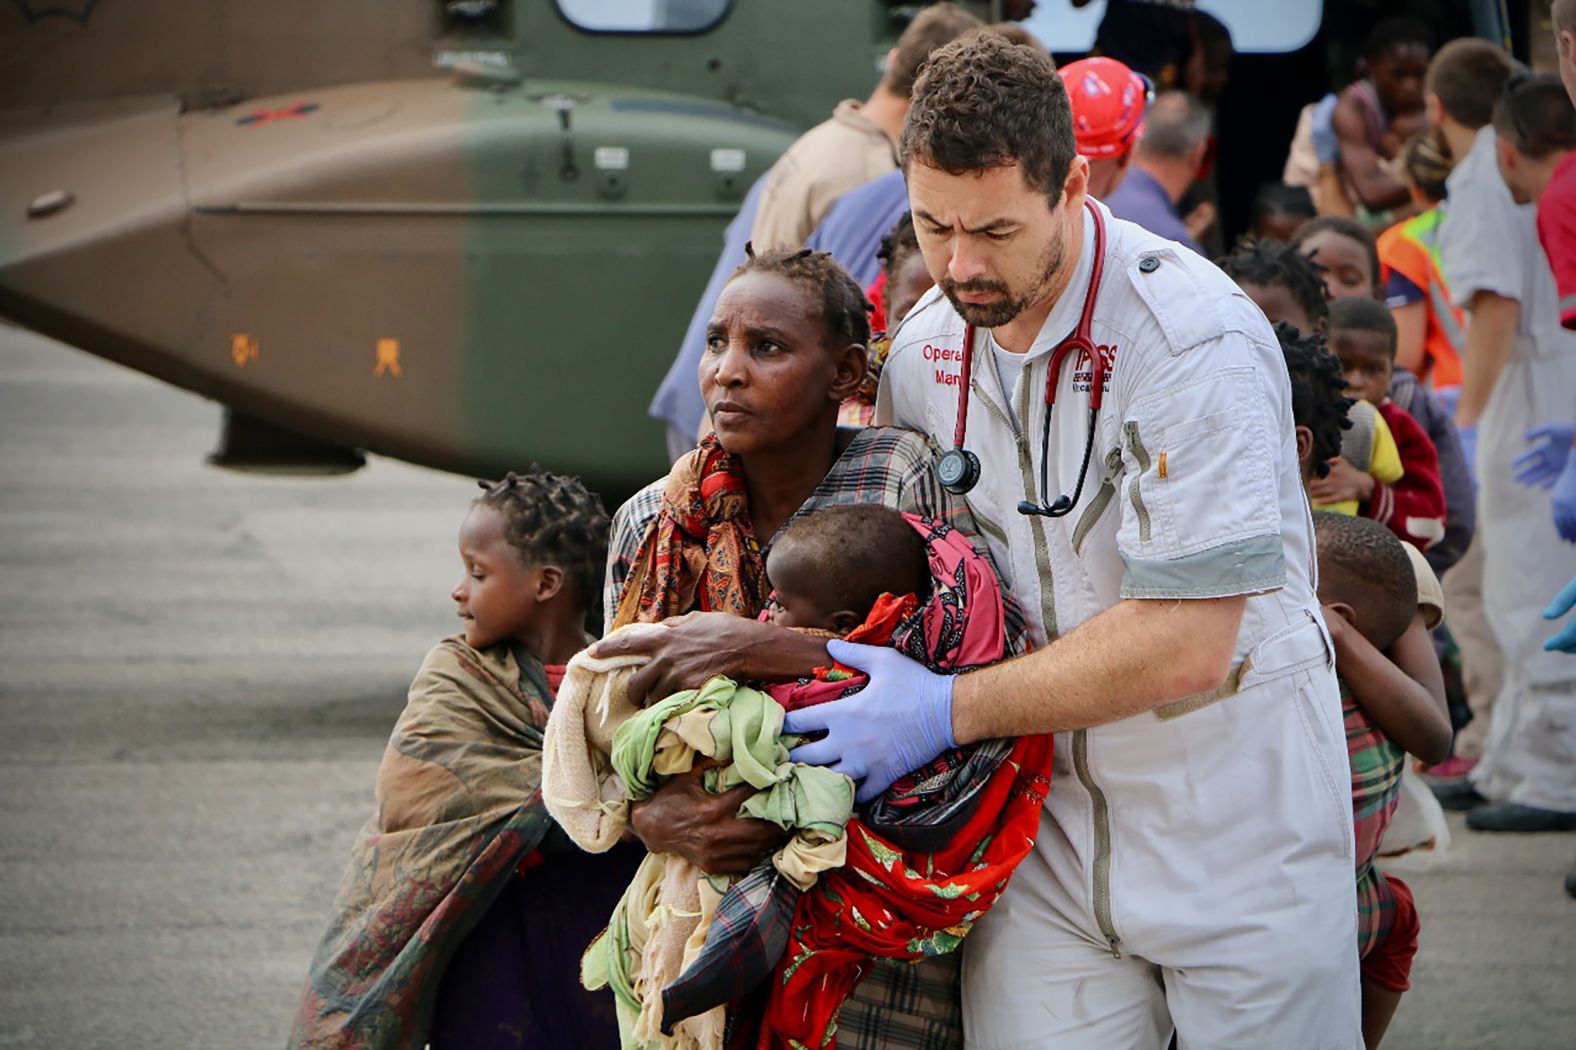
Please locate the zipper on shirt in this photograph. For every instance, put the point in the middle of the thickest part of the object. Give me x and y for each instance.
(1042, 557)
(1042, 554)
(1101, 500)
(1140, 453)
(1101, 812)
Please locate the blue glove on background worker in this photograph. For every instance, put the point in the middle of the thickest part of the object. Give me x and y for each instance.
(1550, 465)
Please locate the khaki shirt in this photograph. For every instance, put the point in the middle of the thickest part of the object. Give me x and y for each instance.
(826, 162)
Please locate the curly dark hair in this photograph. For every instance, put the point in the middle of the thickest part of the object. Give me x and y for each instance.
(1277, 198)
(848, 556)
(1347, 227)
(984, 102)
(554, 519)
(1277, 264)
(897, 245)
(844, 309)
(1318, 392)
(1395, 32)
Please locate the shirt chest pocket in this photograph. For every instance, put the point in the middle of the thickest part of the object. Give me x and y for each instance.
(1199, 482)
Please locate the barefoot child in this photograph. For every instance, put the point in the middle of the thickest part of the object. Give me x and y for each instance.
(1368, 586)
(462, 915)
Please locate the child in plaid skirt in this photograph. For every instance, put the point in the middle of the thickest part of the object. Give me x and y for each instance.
(1368, 586)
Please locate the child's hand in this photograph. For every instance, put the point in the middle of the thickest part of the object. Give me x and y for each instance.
(1336, 624)
(1343, 482)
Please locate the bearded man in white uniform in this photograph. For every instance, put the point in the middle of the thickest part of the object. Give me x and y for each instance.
(1194, 868)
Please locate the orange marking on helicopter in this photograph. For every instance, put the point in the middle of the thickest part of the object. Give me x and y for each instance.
(243, 349)
(388, 359)
(267, 116)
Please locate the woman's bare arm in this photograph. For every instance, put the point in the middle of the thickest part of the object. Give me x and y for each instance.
(1410, 712)
(700, 646)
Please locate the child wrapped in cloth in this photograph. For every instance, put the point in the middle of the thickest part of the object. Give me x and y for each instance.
(922, 863)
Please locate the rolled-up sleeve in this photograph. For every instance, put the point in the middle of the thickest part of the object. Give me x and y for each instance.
(1200, 485)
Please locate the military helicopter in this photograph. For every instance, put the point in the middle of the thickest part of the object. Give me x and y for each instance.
(464, 233)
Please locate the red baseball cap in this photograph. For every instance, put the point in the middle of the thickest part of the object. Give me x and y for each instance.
(1108, 101)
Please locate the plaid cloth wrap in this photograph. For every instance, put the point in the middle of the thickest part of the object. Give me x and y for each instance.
(964, 821)
(1376, 786)
(459, 807)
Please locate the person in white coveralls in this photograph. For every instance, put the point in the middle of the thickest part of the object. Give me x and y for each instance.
(1193, 870)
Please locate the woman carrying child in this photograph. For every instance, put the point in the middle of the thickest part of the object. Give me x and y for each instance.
(785, 348)
(464, 910)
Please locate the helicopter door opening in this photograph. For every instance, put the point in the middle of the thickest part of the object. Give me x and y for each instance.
(644, 16)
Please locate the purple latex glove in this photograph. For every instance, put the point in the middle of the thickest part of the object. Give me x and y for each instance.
(1540, 467)
(1468, 436)
(1565, 501)
(1326, 144)
(898, 722)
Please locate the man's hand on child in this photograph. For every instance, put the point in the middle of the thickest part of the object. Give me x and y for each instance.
(1343, 482)
(898, 722)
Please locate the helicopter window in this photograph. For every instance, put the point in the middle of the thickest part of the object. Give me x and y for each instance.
(1256, 25)
(644, 16)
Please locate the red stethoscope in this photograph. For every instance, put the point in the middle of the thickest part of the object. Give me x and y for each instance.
(959, 469)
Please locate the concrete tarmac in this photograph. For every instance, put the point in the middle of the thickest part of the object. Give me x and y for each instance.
(198, 671)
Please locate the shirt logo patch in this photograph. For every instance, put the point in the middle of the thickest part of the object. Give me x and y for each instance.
(947, 362)
(1083, 370)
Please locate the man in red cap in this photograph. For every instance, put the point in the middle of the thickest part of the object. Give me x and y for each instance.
(1108, 102)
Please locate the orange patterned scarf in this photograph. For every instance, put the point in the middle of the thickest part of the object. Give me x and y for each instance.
(700, 552)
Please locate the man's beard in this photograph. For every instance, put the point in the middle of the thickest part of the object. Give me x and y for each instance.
(1003, 310)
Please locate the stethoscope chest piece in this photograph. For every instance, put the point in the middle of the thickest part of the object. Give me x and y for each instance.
(958, 471)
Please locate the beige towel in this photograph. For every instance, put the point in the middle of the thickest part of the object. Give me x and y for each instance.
(578, 784)
(670, 903)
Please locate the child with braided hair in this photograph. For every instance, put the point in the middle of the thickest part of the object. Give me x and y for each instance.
(1280, 280)
(1288, 286)
(463, 912)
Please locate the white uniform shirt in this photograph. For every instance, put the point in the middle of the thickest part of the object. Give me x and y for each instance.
(1206, 809)
(1488, 243)
(1193, 488)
